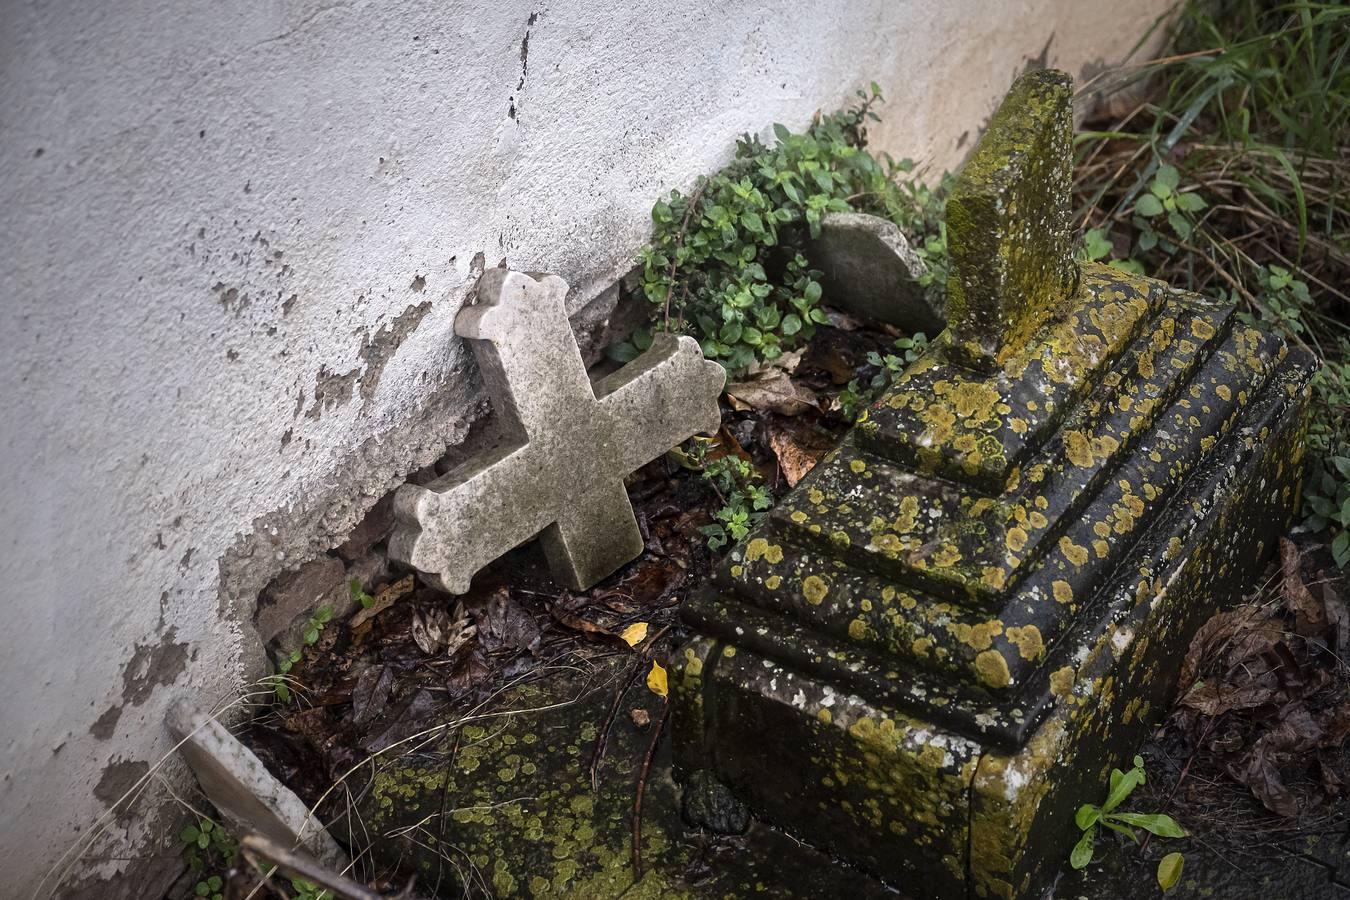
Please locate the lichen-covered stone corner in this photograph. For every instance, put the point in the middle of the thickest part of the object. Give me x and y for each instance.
(501, 804)
(1009, 225)
(940, 642)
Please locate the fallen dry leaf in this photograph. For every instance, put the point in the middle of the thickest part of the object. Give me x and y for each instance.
(385, 597)
(1259, 767)
(505, 624)
(371, 694)
(1243, 632)
(773, 390)
(1338, 617)
(656, 680)
(429, 630)
(1310, 617)
(797, 449)
(1216, 697)
(634, 634)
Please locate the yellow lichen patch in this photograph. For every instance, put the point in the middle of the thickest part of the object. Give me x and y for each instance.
(1225, 392)
(974, 400)
(857, 466)
(1202, 329)
(824, 715)
(815, 496)
(760, 548)
(977, 637)
(1027, 640)
(1016, 539)
(772, 582)
(946, 556)
(1078, 449)
(797, 516)
(1062, 591)
(814, 589)
(1072, 552)
(737, 571)
(932, 756)
(994, 577)
(993, 669)
(1101, 548)
(1061, 682)
(920, 646)
(857, 629)
(1103, 446)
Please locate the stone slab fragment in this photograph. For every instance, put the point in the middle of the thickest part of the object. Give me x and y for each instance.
(868, 267)
(240, 787)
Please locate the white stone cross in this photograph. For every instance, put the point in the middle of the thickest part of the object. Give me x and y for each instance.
(570, 442)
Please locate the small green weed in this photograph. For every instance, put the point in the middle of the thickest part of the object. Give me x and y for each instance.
(744, 501)
(208, 848)
(313, 628)
(1089, 816)
(727, 262)
(308, 890)
(855, 396)
(359, 594)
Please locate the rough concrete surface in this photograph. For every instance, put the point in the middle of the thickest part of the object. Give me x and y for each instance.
(236, 237)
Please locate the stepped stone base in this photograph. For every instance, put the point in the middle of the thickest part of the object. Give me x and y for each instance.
(942, 641)
(926, 664)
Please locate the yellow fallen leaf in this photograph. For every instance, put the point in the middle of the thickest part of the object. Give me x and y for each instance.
(1169, 870)
(656, 680)
(635, 634)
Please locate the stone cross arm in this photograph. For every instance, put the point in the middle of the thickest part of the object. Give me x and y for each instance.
(570, 443)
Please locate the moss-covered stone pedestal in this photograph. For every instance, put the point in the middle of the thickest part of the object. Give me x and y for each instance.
(942, 641)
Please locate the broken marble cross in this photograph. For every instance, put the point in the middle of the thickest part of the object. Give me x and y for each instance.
(570, 442)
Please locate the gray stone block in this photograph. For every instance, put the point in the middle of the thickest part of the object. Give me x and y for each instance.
(869, 268)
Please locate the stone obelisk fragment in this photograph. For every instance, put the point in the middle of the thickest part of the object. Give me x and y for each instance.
(570, 442)
(942, 640)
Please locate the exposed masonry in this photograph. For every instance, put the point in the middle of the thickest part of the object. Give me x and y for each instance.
(284, 540)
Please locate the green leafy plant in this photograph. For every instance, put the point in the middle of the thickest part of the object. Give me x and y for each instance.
(310, 635)
(1089, 816)
(727, 262)
(744, 501)
(308, 890)
(1164, 202)
(210, 888)
(857, 395)
(207, 848)
(359, 594)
